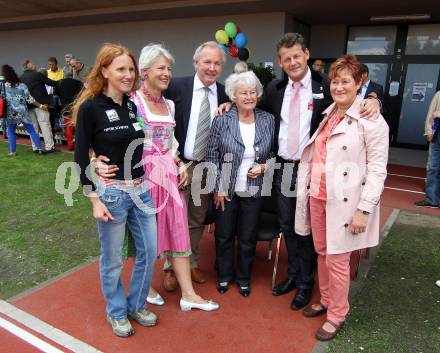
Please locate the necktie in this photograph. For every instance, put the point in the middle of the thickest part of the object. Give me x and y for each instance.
(203, 125)
(294, 120)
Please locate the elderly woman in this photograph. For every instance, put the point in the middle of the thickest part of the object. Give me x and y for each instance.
(165, 173)
(341, 177)
(240, 143)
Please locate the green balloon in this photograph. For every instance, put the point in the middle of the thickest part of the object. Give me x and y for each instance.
(231, 29)
(221, 37)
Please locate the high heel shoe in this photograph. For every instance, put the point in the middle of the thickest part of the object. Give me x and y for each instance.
(222, 287)
(157, 300)
(209, 306)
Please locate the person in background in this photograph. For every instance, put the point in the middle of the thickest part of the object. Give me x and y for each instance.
(246, 136)
(17, 97)
(370, 88)
(432, 132)
(106, 122)
(340, 180)
(318, 65)
(54, 73)
(67, 69)
(3, 111)
(36, 83)
(196, 97)
(240, 67)
(80, 71)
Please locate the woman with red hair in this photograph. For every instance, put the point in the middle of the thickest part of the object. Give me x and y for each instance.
(340, 180)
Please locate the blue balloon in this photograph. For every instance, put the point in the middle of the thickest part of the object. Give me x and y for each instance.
(224, 47)
(241, 40)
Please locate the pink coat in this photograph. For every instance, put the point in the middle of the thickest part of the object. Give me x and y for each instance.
(357, 155)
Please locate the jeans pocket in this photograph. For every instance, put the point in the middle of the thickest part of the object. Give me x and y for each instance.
(111, 198)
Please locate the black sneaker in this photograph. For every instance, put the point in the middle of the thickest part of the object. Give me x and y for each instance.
(426, 204)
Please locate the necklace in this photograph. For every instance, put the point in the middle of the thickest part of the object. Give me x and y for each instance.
(150, 97)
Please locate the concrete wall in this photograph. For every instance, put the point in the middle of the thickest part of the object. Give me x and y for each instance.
(181, 36)
(327, 41)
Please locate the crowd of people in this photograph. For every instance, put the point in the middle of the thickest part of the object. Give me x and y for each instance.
(157, 141)
(38, 98)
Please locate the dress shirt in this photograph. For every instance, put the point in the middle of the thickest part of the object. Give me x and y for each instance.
(306, 112)
(364, 89)
(198, 94)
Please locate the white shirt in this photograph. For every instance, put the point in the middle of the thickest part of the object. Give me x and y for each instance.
(198, 94)
(306, 112)
(247, 132)
(364, 89)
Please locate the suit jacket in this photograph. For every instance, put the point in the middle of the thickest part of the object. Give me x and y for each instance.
(274, 94)
(180, 91)
(225, 138)
(376, 88)
(36, 82)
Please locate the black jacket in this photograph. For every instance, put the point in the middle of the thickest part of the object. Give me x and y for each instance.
(180, 91)
(36, 82)
(274, 94)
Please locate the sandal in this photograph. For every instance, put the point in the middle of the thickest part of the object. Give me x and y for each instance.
(310, 311)
(324, 335)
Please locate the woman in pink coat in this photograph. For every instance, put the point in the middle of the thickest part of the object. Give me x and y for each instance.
(340, 180)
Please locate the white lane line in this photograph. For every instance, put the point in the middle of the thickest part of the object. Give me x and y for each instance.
(54, 334)
(397, 189)
(406, 176)
(29, 338)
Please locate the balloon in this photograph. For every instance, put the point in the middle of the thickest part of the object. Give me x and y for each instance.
(231, 29)
(221, 37)
(230, 41)
(238, 30)
(233, 51)
(224, 48)
(243, 54)
(241, 40)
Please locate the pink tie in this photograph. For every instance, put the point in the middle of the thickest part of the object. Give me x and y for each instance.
(294, 119)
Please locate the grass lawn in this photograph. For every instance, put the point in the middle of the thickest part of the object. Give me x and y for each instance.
(398, 309)
(40, 237)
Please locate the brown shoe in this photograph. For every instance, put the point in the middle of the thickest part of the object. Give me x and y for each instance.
(324, 335)
(314, 310)
(170, 281)
(197, 275)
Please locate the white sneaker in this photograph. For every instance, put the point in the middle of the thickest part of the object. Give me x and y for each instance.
(209, 306)
(121, 327)
(157, 300)
(144, 317)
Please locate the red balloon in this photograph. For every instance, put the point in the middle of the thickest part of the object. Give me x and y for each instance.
(238, 30)
(233, 51)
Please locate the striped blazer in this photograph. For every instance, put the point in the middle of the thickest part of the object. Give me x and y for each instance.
(226, 149)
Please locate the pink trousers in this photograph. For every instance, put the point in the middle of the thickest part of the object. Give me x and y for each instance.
(333, 269)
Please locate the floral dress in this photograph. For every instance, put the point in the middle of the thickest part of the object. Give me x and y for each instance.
(162, 179)
(16, 98)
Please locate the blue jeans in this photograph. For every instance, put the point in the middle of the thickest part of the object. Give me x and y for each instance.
(12, 138)
(127, 204)
(433, 175)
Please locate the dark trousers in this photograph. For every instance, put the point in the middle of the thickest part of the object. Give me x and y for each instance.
(300, 251)
(239, 219)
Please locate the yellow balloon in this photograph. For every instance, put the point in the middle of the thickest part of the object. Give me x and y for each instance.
(222, 37)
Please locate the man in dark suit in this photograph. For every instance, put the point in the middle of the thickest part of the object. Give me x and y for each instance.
(196, 97)
(370, 88)
(36, 82)
(297, 102)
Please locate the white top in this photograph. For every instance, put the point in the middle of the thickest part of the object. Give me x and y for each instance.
(198, 94)
(247, 132)
(364, 89)
(306, 112)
